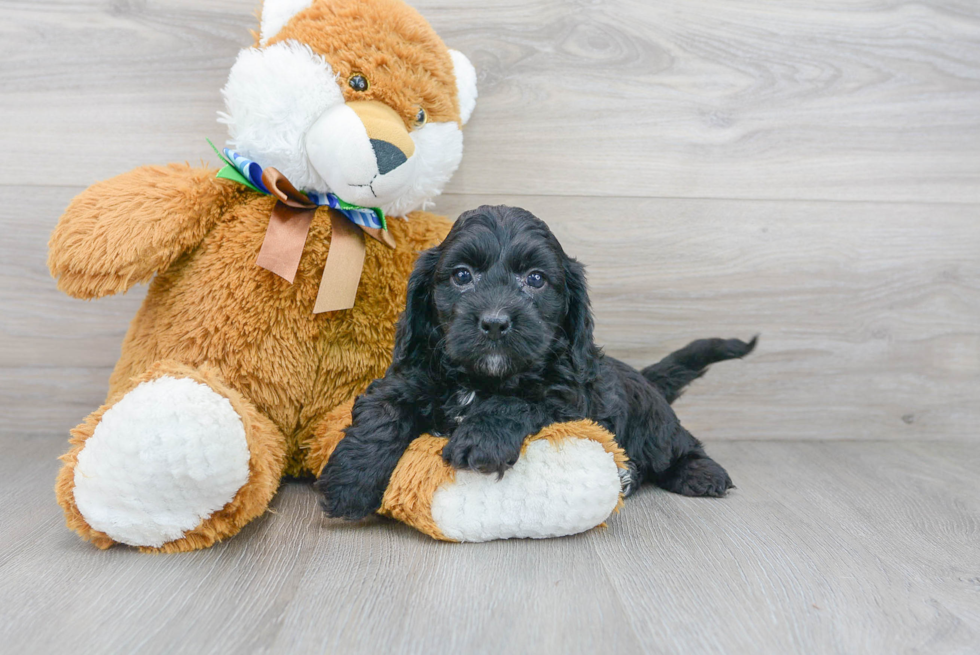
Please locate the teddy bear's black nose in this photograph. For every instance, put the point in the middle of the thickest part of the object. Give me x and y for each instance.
(388, 155)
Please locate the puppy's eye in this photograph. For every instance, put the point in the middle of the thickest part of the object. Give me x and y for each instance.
(420, 118)
(535, 279)
(358, 82)
(462, 277)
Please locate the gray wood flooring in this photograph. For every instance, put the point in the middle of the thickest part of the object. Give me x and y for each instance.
(839, 547)
(809, 171)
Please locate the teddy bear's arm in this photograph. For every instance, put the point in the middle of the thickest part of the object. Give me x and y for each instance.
(122, 231)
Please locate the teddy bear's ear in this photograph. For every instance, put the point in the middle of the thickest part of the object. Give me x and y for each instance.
(276, 13)
(465, 84)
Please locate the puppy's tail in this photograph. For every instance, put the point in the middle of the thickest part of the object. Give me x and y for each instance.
(678, 369)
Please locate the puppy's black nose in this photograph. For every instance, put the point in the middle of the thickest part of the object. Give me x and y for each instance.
(495, 325)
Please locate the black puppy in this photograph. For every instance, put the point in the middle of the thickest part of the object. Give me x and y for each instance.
(495, 343)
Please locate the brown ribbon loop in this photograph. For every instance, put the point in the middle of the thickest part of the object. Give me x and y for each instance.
(285, 238)
(281, 188)
(379, 235)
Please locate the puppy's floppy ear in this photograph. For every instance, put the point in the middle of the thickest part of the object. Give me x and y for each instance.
(578, 324)
(416, 326)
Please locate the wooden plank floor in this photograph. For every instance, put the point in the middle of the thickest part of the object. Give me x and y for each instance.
(807, 171)
(825, 547)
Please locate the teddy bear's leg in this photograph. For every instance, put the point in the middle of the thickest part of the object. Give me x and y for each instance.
(174, 463)
(568, 479)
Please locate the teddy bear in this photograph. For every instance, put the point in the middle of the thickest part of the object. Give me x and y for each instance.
(274, 287)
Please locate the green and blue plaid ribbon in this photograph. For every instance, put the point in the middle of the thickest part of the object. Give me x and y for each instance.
(245, 171)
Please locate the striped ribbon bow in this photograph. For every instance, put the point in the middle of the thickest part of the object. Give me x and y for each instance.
(290, 222)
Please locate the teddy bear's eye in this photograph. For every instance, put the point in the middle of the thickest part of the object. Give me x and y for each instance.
(358, 82)
(421, 118)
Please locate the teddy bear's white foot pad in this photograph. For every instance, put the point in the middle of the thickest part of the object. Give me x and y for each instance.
(167, 455)
(555, 489)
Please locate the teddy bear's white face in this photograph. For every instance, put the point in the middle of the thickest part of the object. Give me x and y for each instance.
(286, 109)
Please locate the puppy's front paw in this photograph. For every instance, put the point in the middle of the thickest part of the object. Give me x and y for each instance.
(346, 501)
(480, 450)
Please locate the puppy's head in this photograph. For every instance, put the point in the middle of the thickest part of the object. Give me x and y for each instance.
(499, 297)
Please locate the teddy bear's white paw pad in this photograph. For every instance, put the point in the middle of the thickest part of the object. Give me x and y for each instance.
(169, 454)
(552, 491)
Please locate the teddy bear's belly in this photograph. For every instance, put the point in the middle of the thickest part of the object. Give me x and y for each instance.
(215, 308)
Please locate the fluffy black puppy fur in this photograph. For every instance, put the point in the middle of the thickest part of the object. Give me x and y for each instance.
(495, 343)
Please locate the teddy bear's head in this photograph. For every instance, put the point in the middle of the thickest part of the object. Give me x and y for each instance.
(360, 98)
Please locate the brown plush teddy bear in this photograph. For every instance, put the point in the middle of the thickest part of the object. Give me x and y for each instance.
(240, 367)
